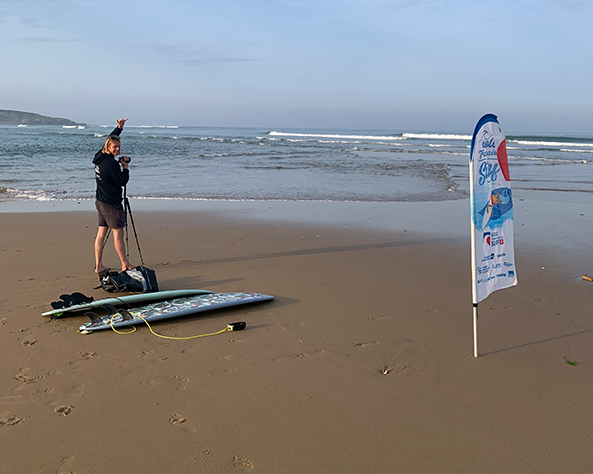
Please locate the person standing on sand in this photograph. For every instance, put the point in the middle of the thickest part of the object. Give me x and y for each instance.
(110, 180)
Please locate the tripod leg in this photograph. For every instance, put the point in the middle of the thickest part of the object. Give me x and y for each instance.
(126, 210)
(129, 210)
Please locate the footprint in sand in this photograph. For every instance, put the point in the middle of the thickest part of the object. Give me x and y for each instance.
(78, 390)
(405, 352)
(29, 343)
(306, 355)
(11, 421)
(64, 410)
(364, 344)
(226, 357)
(377, 318)
(26, 378)
(65, 467)
(184, 381)
(239, 461)
(176, 419)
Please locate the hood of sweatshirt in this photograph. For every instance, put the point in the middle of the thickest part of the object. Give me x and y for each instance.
(100, 156)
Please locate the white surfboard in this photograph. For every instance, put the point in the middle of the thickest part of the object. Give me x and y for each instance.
(128, 300)
(169, 309)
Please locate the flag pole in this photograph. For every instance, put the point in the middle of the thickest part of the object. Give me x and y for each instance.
(474, 284)
(476, 330)
(473, 251)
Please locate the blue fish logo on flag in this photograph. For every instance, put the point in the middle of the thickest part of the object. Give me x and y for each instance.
(491, 198)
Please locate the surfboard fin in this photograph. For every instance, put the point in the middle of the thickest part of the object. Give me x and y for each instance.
(66, 300)
(111, 310)
(125, 315)
(94, 317)
(81, 298)
(74, 299)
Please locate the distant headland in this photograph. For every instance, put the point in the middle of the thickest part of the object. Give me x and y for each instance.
(14, 117)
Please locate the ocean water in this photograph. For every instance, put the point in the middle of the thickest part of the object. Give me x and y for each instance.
(170, 162)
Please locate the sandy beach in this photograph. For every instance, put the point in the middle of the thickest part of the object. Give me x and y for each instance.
(361, 364)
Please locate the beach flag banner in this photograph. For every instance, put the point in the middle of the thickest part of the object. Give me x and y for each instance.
(491, 200)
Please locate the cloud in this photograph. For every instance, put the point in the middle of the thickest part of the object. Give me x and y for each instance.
(44, 39)
(33, 23)
(38, 40)
(191, 55)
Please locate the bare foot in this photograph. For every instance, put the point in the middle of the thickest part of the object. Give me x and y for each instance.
(102, 269)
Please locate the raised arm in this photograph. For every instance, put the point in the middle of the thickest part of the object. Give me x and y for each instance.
(120, 126)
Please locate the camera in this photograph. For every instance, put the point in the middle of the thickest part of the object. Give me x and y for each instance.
(125, 159)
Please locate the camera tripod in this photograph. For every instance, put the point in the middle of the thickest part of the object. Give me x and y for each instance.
(127, 211)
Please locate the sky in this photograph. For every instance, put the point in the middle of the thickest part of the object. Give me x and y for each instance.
(401, 65)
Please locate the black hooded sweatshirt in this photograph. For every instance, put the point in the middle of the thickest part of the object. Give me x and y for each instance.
(109, 176)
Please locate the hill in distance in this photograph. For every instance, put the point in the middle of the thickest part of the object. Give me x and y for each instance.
(14, 117)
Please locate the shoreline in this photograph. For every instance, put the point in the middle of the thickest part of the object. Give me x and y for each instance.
(546, 227)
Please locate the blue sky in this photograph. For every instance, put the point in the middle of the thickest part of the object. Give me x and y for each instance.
(402, 65)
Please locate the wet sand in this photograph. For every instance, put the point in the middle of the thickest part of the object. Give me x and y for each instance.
(362, 363)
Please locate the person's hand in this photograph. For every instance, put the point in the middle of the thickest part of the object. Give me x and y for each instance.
(121, 122)
(125, 161)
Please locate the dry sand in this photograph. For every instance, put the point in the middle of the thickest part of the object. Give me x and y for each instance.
(362, 363)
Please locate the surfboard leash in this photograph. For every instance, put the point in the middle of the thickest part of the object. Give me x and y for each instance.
(238, 326)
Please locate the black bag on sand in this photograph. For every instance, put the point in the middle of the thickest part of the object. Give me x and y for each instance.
(137, 280)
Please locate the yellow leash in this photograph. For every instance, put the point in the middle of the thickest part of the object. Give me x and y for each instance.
(230, 327)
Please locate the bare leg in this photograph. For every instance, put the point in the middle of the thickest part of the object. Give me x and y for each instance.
(120, 248)
(99, 244)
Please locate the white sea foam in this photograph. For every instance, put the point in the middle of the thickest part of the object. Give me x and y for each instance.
(434, 145)
(26, 194)
(320, 135)
(152, 126)
(22, 125)
(68, 126)
(436, 136)
(542, 143)
(548, 160)
(572, 150)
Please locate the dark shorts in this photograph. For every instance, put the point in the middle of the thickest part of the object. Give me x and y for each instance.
(110, 216)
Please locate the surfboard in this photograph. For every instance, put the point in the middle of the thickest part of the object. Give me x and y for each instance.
(170, 309)
(128, 300)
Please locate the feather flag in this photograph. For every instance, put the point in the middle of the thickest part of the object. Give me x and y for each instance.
(493, 255)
